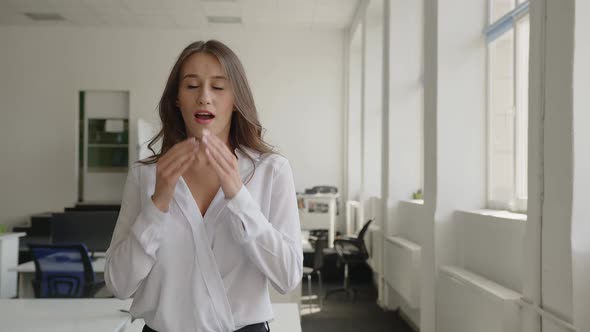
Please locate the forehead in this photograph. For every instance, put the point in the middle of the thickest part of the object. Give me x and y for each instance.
(202, 64)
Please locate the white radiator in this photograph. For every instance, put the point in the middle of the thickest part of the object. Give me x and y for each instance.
(467, 302)
(402, 268)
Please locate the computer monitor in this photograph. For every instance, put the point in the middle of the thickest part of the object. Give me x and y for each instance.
(93, 228)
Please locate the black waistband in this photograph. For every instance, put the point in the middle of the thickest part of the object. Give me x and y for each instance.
(259, 327)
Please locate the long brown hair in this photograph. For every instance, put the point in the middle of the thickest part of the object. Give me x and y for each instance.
(245, 129)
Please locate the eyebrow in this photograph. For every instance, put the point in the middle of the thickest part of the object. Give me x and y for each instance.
(197, 76)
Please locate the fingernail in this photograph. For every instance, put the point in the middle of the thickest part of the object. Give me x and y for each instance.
(206, 132)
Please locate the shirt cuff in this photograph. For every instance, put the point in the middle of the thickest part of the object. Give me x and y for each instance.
(250, 221)
(147, 228)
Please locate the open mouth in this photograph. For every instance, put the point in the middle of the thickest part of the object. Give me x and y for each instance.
(202, 115)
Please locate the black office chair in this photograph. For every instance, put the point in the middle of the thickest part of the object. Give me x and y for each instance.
(351, 251)
(318, 262)
(63, 271)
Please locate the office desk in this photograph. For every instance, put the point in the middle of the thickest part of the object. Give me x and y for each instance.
(26, 274)
(286, 319)
(136, 326)
(64, 315)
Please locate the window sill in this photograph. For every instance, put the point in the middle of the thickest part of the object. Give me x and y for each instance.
(413, 201)
(503, 214)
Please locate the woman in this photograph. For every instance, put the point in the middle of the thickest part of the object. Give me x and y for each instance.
(209, 221)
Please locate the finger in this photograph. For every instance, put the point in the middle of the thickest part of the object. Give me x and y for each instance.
(179, 149)
(184, 167)
(227, 166)
(224, 152)
(173, 165)
(181, 166)
(213, 162)
(217, 154)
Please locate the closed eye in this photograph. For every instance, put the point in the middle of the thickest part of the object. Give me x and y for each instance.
(217, 88)
(193, 86)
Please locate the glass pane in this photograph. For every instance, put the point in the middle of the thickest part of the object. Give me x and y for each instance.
(107, 158)
(522, 105)
(500, 8)
(108, 131)
(501, 104)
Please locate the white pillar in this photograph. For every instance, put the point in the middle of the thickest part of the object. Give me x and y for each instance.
(548, 280)
(427, 298)
(455, 133)
(581, 169)
(532, 241)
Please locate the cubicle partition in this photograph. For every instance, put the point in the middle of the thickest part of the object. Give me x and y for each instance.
(93, 228)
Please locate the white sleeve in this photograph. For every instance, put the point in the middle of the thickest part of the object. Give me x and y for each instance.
(132, 252)
(273, 244)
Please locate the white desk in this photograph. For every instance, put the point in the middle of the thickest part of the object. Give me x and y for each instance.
(8, 261)
(26, 274)
(64, 315)
(136, 326)
(286, 319)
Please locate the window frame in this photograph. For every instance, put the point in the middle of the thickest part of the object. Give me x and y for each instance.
(511, 21)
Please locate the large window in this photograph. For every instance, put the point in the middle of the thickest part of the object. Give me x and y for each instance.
(508, 58)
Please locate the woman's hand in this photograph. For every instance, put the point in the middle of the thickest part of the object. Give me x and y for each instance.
(224, 163)
(169, 169)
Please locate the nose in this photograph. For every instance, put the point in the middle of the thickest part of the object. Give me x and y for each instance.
(204, 97)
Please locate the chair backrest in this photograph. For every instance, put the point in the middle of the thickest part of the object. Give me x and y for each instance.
(320, 244)
(361, 234)
(61, 271)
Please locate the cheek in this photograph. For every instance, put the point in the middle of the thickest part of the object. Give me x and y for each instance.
(228, 103)
(184, 99)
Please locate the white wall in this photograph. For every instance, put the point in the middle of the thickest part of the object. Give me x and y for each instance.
(492, 247)
(372, 103)
(546, 254)
(405, 137)
(581, 151)
(354, 120)
(410, 222)
(296, 77)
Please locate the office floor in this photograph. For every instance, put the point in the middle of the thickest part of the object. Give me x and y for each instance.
(342, 315)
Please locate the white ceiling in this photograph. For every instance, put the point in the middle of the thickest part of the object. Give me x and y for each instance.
(314, 14)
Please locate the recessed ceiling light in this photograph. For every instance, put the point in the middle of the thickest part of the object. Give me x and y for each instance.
(45, 16)
(224, 19)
